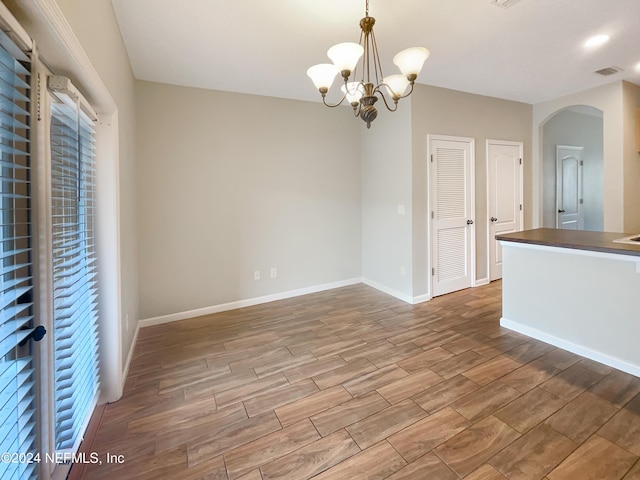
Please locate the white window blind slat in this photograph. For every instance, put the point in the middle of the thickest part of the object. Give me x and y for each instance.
(8, 122)
(14, 291)
(11, 253)
(8, 106)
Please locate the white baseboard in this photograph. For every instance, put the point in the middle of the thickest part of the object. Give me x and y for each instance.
(482, 281)
(394, 293)
(114, 396)
(421, 298)
(389, 291)
(174, 317)
(125, 370)
(571, 347)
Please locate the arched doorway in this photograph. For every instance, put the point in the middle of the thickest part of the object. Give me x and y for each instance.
(579, 127)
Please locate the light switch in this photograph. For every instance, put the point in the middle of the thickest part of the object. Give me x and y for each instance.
(401, 210)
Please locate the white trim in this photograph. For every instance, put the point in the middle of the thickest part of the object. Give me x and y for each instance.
(42, 244)
(512, 143)
(571, 347)
(483, 281)
(429, 258)
(127, 364)
(389, 291)
(174, 317)
(14, 30)
(109, 260)
(394, 293)
(521, 219)
(59, 46)
(622, 256)
(421, 299)
(450, 138)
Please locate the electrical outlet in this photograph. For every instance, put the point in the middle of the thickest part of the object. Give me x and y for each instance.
(274, 272)
(256, 275)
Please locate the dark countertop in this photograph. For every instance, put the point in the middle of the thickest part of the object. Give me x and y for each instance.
(574, 239)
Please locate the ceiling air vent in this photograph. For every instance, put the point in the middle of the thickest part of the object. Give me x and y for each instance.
(504, 3)
(608, 71)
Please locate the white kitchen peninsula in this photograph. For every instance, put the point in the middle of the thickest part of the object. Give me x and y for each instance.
(577, 290)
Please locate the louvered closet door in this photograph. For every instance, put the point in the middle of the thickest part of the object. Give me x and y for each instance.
(451, 172)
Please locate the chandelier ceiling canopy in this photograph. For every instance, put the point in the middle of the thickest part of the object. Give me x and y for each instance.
(362, 94)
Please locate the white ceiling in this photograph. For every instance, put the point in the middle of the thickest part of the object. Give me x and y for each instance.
(530, 52)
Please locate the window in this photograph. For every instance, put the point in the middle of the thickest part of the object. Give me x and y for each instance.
(75, 292)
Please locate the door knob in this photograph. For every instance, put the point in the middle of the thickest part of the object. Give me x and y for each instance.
(494, 219)
(561, 211)
(469, 222)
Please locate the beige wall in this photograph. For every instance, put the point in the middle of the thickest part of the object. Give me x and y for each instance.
(386, 185)
(231, 183)
(448, 112)
(631, 101)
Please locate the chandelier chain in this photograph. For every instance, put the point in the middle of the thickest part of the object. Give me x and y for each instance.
(367, 8)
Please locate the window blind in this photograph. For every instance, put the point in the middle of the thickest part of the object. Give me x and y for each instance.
(17, 377)
(75, 295)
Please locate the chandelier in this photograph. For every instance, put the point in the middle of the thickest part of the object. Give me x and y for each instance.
(363, 94)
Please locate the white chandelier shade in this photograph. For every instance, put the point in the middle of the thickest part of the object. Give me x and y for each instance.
(396, 85)
(345, 55)
(323, 75)
(353, 91)
(411, 60)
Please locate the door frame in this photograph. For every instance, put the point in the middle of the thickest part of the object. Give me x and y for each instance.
(521, 219)
(472, 192)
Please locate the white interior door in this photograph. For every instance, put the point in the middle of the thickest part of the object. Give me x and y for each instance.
(452, 213)
(504, 176)
(569, 187)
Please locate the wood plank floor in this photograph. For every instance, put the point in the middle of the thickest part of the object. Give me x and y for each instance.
(354, 384)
